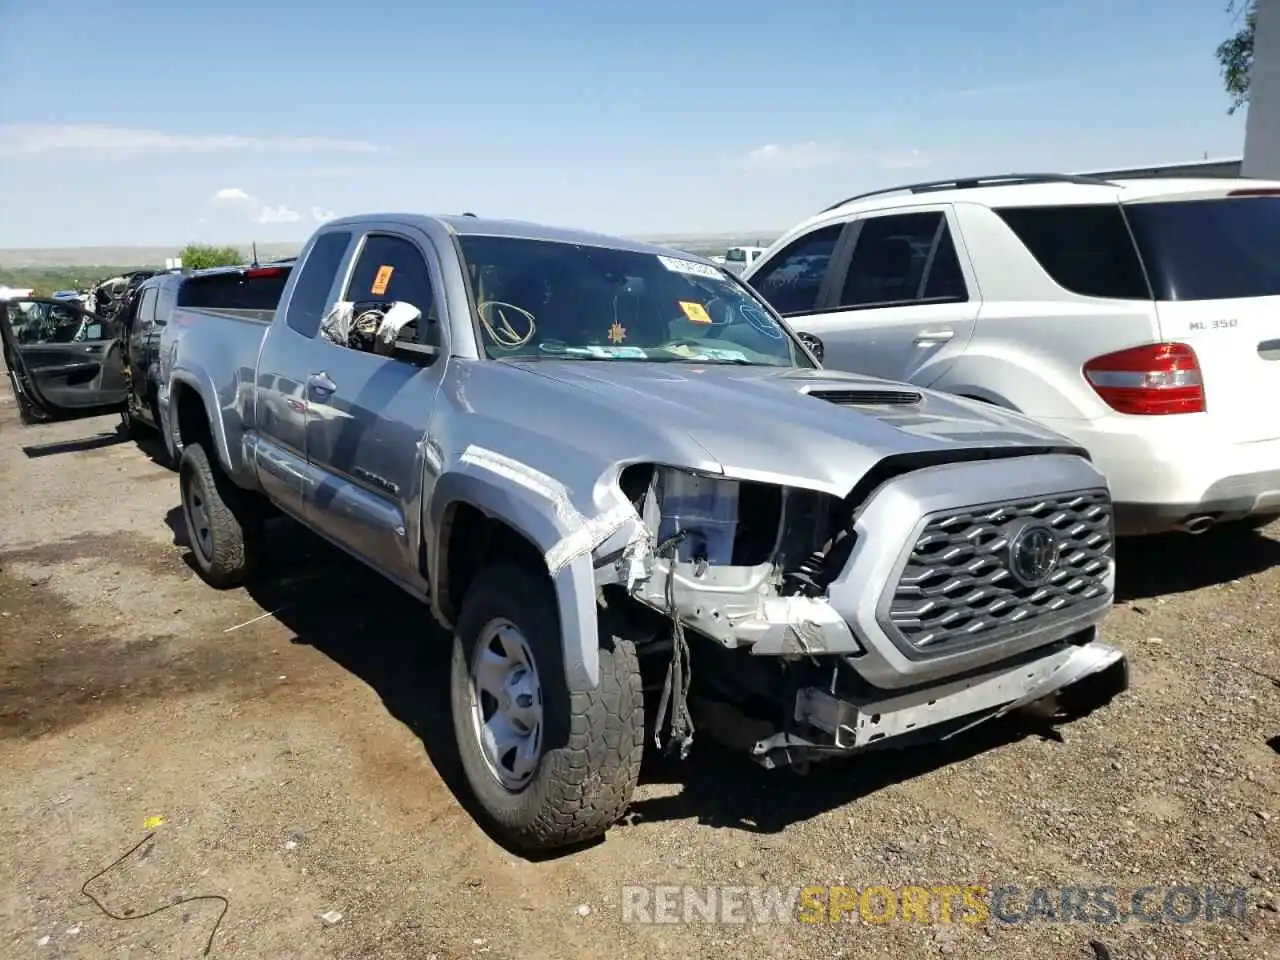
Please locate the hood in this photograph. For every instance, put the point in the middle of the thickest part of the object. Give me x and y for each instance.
(774, 425)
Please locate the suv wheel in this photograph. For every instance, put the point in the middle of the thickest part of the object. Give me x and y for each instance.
(548, 767)
(223, 526)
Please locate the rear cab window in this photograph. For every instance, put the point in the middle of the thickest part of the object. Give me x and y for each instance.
(311, 293)
(257, 288)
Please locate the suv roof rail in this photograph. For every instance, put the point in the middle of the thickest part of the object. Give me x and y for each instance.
(968, 183)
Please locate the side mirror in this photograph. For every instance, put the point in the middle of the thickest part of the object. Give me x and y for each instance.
(814, 343)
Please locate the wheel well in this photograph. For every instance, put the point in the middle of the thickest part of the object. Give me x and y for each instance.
(472, 539)
(193, 420)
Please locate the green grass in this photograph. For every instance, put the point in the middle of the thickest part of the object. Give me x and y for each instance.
(45, 280)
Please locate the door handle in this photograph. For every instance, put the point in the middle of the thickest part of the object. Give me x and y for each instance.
(320, 383)
(934, 336)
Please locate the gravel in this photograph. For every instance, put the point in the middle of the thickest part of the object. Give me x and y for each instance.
(302, 765)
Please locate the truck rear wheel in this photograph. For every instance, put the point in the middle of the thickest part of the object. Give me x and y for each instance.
(549, 767)
(223, 526)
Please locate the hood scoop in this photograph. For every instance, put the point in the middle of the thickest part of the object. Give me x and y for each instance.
(867, 398)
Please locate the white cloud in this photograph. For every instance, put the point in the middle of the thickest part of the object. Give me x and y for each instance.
(804, 156)
(900, 160)
(796, 156)
(320, 215)
(27, 139)
(280, 214)
(251, 208)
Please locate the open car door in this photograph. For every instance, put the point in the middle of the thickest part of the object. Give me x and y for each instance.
(64, 362)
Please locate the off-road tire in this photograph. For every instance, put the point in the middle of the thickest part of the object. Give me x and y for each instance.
(593, 740)
(235, 523)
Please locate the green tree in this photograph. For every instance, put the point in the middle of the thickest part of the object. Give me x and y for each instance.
(1235, 54)
(197, 256)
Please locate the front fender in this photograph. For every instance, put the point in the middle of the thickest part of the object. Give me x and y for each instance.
(543, 514)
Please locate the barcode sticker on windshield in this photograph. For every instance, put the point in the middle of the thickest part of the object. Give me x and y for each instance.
(691, 267)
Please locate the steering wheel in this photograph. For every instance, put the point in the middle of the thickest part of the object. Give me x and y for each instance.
(499, 328)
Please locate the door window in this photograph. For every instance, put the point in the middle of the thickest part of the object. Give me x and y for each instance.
(792, 279)
(903, 259)
(48, 322)
(147, 307)
(390, 269)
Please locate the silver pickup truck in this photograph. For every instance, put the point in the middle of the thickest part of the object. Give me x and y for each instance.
(611, 470)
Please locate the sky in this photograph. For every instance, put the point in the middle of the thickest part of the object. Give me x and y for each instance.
(141, 122)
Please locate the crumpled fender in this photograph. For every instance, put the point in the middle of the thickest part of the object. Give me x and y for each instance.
(540, 508)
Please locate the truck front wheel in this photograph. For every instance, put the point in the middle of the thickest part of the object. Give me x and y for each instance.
(223, 527)
(549, 767)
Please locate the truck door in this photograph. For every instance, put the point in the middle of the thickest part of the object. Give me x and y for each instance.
(367, 413)
(63, 362)
(279, 399)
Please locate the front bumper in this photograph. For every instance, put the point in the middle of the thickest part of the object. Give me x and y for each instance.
(856, 620)
(841, 726)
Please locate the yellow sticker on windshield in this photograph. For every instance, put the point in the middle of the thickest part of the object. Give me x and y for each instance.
(382, 280)
(696, 312)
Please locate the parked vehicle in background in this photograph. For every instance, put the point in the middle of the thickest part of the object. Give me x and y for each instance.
(609, 467)
(107, 295)
(59, 357)
(1141, 318)
(737, 259)
(132, 333)
(250, 291)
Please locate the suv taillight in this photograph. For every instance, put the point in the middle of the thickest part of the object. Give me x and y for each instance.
(1155, 378)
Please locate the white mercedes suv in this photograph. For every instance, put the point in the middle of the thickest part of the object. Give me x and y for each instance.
(1139, 317)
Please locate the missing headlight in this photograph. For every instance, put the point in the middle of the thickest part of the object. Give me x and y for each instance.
(722, 521)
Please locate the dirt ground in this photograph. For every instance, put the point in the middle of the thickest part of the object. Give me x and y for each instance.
(295, 740)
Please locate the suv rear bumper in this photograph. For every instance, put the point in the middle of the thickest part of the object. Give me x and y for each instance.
(1165, 474)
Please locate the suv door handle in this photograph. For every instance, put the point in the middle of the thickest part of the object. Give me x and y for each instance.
(321, 384)
(934, 336)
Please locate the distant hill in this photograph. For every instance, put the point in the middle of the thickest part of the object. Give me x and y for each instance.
(155, 255)
(137, 256)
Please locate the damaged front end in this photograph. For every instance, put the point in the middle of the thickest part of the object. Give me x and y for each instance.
(931, 598)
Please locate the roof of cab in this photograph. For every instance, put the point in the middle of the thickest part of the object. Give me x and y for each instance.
(466, 225)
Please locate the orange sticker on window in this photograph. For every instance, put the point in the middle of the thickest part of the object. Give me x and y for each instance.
(696, 312)
(381, 281)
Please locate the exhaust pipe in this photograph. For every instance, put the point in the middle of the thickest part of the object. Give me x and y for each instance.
(1196, 525)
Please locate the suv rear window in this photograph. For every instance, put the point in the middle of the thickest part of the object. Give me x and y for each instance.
(234, 291)
(1086, 249)
(1210, 249)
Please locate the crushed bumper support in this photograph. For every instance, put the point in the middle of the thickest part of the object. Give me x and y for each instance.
(851, 727)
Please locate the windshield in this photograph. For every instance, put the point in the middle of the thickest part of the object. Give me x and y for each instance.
(736, 255)
(539, 298)
(1209, 249)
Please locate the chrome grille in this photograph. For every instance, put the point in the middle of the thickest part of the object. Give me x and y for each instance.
(957, 588)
